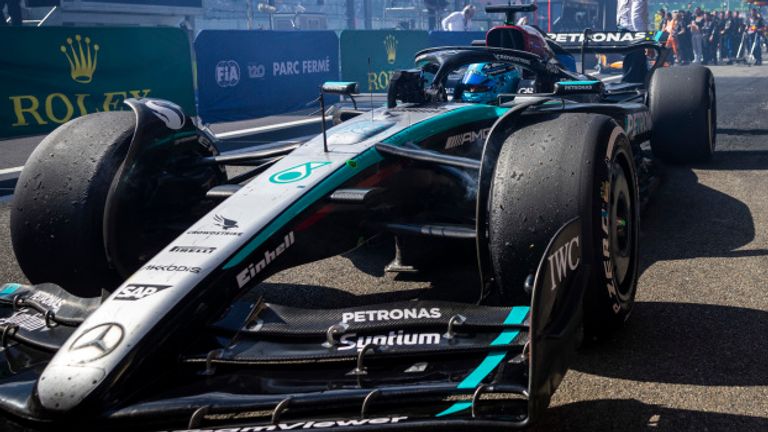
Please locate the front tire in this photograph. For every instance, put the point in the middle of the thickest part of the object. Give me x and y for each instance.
(58, 205)
(548, 172)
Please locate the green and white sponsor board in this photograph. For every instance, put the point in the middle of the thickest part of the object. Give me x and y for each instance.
(50, 75)
(388, 50)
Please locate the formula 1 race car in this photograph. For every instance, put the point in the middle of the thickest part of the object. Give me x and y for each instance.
(144, 253)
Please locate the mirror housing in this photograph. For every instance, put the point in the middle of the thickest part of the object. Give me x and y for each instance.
(345, 88)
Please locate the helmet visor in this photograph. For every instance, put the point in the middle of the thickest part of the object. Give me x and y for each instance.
(475, 82)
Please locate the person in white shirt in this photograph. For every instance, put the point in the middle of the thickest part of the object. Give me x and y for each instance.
(632, 15)
(459, 20)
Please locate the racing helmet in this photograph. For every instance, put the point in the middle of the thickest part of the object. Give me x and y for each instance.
(483, 82)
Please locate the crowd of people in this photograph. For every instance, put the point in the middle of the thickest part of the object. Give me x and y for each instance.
(713, 37)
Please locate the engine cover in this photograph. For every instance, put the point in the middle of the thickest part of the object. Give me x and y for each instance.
(523, 38)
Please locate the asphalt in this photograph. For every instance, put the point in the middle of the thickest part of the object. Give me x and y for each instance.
(694, 354)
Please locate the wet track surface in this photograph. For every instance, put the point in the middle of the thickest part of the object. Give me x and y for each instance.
(694, 355)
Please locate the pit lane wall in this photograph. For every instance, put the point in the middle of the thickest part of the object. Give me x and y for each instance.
(247, 74)
(389, 51)
(50, 75)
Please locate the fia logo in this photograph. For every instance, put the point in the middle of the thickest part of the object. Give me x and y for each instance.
(227, 73)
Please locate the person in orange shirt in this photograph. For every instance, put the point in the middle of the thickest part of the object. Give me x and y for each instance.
(669, 28)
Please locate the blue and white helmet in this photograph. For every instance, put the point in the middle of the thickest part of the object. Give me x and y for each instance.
(484, 82)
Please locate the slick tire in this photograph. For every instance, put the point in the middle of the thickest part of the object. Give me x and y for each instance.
(683, 109)
(57, 211)
(548, 172)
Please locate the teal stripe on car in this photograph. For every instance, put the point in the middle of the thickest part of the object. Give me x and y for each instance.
(414, 133)
(487, 366)
(577, 82)
(491, 361)
(344, 173)
(457, 407)
(434, 125)
(9, 289)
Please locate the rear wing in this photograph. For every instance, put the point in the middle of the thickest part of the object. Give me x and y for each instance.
(606, 42)
(603, 38)
(617, 42)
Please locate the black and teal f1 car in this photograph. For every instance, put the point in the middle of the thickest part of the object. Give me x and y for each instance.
(145, 253)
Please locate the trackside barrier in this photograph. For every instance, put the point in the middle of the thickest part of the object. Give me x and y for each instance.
(389, 50)
(50, 75)
(444, 38)
(247, 74)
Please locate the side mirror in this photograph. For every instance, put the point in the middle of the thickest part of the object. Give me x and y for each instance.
(344, 88)
(341, 87)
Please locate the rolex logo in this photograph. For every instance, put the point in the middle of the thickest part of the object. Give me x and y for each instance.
(390, 44)
(82, 58)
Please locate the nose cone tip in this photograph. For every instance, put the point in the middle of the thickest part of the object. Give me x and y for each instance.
(61, 388)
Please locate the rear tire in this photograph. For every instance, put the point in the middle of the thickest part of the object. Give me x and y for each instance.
(58, 207)
(683, 108)
(548, 172)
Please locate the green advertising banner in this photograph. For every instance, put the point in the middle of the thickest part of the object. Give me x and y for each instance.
(389, 50)
(50, 75)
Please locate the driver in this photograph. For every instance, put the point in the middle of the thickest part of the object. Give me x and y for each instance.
(484, 82)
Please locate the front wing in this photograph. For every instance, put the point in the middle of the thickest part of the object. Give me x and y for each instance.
(407, 365)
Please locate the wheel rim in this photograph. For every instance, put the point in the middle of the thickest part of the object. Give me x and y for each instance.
(622, 233)
(711, 116)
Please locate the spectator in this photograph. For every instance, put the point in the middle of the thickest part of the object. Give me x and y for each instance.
(632, 15)
(683, 36)
(696, 39)
(727, 35)
(708, 40)
(755, 27)
(720, 31)
(14, 12)
(738, 41)
(459, 20)
(671, 24)
(658, 20)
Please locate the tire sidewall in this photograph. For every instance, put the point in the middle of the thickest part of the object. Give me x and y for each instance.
(59, 202)
(681, 101)
(607, 301)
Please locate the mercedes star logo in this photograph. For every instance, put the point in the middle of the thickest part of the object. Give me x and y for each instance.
(97, 342)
